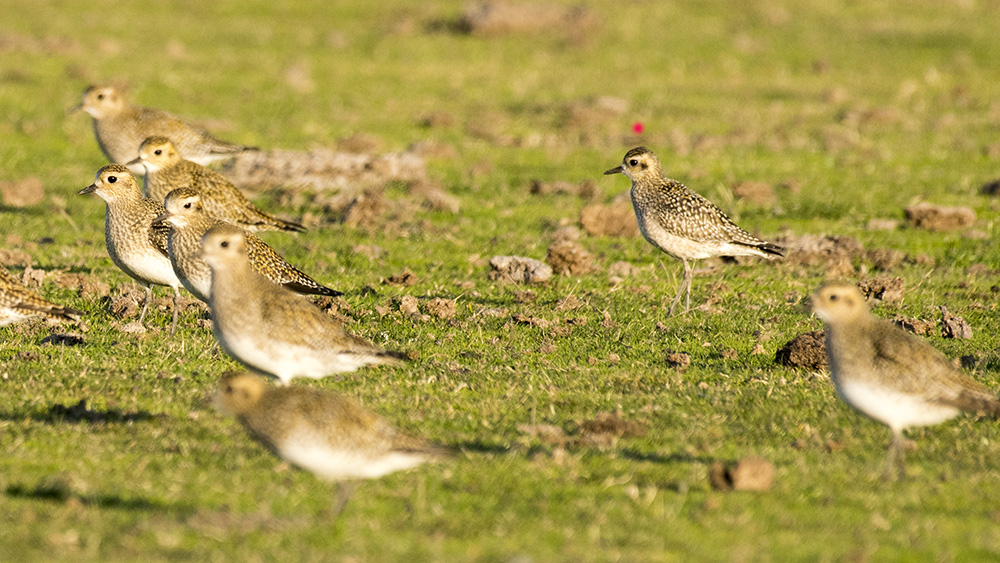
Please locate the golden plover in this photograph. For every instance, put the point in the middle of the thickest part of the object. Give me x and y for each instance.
(320, 431)
(682, 223)
(890, 375)
(135, 243)
(120, 128)
(18, 303)
(167, 171)
(272, 329)
(188, 223)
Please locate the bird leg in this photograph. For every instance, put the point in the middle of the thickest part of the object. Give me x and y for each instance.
(344, 493)
(173, 325)
(896, 462)
(685, 285)
(145, 304)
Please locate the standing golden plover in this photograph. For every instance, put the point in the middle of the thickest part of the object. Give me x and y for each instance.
(272, 329)
(188, 223)
(890, 375)
(134, 242)
(320, 431)
(682, 223)
(18, 303)
(167, 171)
(120, 128)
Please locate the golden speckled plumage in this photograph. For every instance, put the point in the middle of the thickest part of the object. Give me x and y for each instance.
(681, 222)
(890, 375)
(188, 223)
(120, 128)
(321, 431)
(270, 328)
(166, 171)
(18, 303)
(135, 243)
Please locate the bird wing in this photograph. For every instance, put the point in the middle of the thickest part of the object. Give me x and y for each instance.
(927, 371)
(701, 220)
(271, 265)
(159, 232)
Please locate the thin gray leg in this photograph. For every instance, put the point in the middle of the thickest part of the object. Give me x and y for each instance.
(680, 291)
(177, 297)
(145, 304)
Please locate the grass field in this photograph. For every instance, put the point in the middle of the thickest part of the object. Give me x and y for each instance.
(849, 111)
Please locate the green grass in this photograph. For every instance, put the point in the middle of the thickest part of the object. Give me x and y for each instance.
(865, 107)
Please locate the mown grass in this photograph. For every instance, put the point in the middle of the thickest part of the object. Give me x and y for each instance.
(864, 107)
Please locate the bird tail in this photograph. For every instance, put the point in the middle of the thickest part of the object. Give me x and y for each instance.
(772, 249)
(314, 288)
(978, 401)
(263, 222)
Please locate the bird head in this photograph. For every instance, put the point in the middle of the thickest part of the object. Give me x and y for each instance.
(639, 163)
(223, 245)
(101, 101)
(156, 153)
(113, 182)
(238, 392)
(838, 302)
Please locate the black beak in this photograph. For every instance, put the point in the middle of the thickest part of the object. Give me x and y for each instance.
(88, 190)
(137, 161)
(615, 170)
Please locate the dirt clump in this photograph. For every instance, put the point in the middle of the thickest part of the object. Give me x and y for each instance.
(885, 259)
(804, 351)
(442, 308)
(953, 326)
(678, 359)
(615, 219)
(883, 288)
(586, 189)
(914, 325)
(405, 278)
(323, 169)
(495, 18)
(757, 193)
(938, 217)
(518, 269)
(749, 474)
(22, 193)
(570, 258)
(835, 253)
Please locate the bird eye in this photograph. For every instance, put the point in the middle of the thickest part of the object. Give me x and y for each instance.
(112, 179)
(187, 205)
(229, 388)
(100, 96)
(225, 244)
(833, 297)
(157, 152)
(633, 162)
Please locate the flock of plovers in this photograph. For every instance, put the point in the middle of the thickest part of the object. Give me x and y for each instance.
(188, 226)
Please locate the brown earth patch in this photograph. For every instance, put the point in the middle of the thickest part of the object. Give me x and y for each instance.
(804, 351)
(939, 217)
(569, 258)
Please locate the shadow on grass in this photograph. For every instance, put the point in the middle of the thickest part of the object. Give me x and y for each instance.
(678, 457)
(80, 413)
(58, 491)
